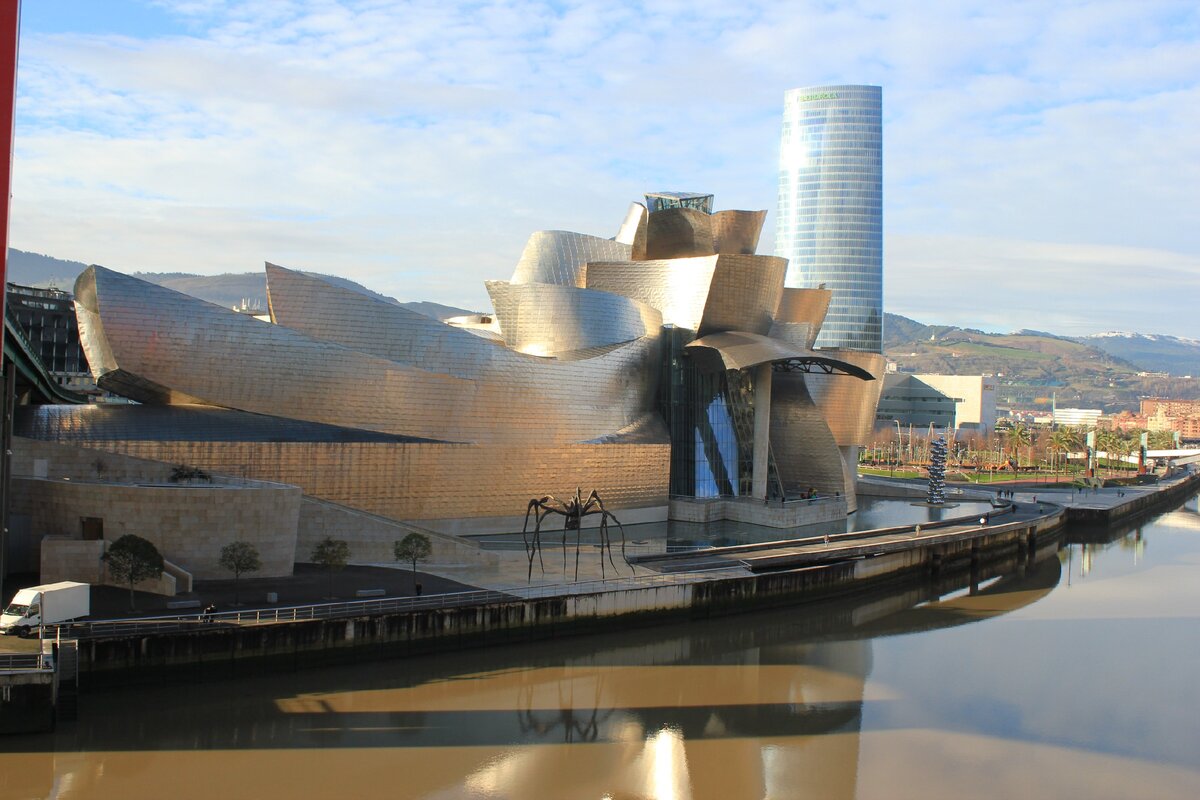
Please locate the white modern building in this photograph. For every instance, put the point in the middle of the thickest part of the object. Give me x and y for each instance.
(1077, 417)
(974, 399)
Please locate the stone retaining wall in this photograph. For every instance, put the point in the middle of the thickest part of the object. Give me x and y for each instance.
(231, 650)
(189, 524)
(371, 537)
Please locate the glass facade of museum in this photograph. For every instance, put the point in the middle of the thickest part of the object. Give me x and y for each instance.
(661, 201)
(830, 222)
(710, 414)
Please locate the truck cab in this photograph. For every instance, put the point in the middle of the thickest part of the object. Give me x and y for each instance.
(23, 613)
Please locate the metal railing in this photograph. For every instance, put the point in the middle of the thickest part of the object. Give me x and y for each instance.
(392, 605)
(24, 662)
(107, 628)
(1006, 508)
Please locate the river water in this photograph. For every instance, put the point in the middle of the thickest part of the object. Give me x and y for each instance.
(1071, 677)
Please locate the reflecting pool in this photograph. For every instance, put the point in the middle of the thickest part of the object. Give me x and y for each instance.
(1069, 677)
(873, 513)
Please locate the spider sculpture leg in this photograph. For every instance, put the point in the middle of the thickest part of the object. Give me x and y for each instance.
(584, 508)
(535, 507)
(588, 507)
(605, 515)
(621, 528)
(541, 517)
(574, 520)
(605, 544)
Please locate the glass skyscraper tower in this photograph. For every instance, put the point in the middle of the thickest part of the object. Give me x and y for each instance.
(830, 219)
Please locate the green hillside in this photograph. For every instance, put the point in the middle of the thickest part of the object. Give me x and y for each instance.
(1031, 367)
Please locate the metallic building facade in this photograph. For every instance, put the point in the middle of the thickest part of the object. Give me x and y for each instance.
(830, 221)
(640, 368)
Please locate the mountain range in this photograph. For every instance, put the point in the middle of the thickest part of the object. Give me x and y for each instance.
(1033, 368)
(230, 290)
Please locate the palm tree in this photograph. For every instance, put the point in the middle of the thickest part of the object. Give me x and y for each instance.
(1108, 442)
(1126, 446)
(1063, 440)
(1162, 440)
(1018, 436)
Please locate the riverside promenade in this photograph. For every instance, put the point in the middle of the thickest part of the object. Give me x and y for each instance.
(1101, 505)
(653, 589)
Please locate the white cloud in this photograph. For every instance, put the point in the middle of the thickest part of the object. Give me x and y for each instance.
(1004, 284)
(414, 146)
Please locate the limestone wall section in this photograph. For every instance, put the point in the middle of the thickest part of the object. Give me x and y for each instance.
(427, 481)
(81, 560)
(371, 537)
(187, 523)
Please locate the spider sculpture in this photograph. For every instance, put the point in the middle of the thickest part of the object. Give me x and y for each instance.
(574, 510)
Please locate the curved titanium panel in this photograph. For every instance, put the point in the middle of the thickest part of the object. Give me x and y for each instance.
(806, 455)
(87, 425)
(804, 306)
(316, 308)
(737, 232)
(741, 350)
(677, 287)
(848, 403)
(227, 359)
(635, 219)
(798, 334)
(559, 257)
(332, 313)
(744, 294)
(679, 233)
(543, 319)
(103, 363)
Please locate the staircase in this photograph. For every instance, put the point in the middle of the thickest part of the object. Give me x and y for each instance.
(66, 664)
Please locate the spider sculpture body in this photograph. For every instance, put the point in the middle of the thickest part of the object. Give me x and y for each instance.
(573, 511)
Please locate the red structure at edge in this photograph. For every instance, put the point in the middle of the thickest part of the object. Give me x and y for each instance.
(10, 26)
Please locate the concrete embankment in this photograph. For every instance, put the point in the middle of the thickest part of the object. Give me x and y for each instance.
(37, 688)
(229, 650)
(1135, 502)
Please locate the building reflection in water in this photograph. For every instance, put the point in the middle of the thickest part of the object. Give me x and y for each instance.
(752, 706)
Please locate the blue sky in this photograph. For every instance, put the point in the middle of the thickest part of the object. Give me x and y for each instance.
(1041, 160)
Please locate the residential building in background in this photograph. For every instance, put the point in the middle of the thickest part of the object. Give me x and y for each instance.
(1175, 416)
(1160, 414)
(1159, 406)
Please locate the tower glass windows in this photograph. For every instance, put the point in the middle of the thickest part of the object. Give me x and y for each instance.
(830, 219)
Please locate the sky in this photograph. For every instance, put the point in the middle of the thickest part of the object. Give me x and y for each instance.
(1041, 160)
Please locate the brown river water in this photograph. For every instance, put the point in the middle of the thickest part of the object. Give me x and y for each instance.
(1072, 677)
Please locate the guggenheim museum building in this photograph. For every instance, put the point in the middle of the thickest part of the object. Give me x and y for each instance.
(670, 368)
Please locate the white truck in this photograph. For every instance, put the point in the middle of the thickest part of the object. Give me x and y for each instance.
(45, 605)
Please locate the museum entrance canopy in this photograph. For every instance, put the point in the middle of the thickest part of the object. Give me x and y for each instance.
(742, 350)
